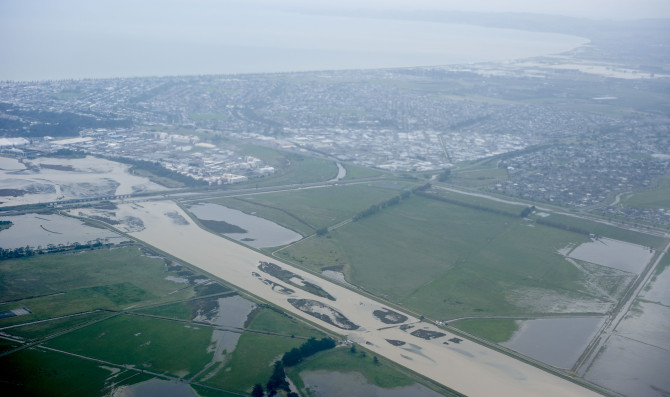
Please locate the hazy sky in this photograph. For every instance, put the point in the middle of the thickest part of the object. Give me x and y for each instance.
(46, 39)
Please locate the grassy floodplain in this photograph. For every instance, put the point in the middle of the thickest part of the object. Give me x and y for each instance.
(292, 167)
(66, 283)
(143, 342)
(307, 210)
(658, 197)
(138, 318)
(448, 261)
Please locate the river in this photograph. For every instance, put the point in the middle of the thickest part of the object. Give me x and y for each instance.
(462, 366)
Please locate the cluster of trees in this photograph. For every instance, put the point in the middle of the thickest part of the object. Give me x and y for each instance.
(527, 211)
(444, 175)
(312, 346)
(20, 252)
(562, 226)
(373, 209)
(422, 188)
(276, 382)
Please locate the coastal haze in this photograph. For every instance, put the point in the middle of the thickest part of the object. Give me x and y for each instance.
(442, 198)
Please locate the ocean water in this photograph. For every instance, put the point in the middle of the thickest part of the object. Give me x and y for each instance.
(93, 42)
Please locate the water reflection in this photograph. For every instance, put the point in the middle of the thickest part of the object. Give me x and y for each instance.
(354, 384)
(555, 341)
(155, 388)
(40, 229)
(260, 233)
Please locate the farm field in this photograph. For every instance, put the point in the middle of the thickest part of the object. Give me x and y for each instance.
(447, 261)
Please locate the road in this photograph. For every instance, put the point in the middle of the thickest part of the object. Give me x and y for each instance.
(617, 315)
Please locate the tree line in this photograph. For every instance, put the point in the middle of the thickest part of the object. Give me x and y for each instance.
(373, 209)
(21, 252)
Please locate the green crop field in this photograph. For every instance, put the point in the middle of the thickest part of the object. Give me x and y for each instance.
(34, 372)
(496, 330)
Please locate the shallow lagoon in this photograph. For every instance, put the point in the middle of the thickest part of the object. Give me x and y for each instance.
(260, 233)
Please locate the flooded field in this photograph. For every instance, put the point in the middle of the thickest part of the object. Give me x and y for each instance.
(155, 388)
(336, 384)
(614, 253)
(635, 359)
(232, 313)
(46, 179)
(632, 368)
(41, 230)
(555, 341)
(260, 233)
(659, 289)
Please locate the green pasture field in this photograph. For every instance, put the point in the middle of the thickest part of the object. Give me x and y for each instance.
(496, 330)
(36, 372)
(251, 362)
(356, 172)
(40, 330)
(316, 208)
(481, 201)
(178, 310)
(445, 260)
(290, 167)
(7, 345)
(86, 280)
(658, 197)
(341, 359)
(157, 345)
(612, 232)
(269, 320)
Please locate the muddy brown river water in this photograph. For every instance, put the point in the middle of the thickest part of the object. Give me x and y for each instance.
(467, 367)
